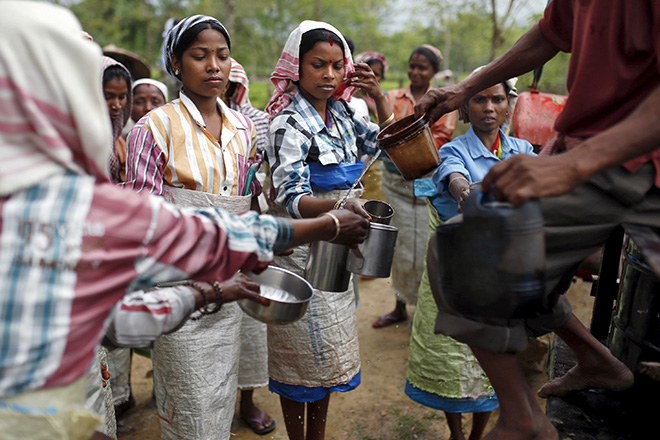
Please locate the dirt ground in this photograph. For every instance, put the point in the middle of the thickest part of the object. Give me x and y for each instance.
(378, 409)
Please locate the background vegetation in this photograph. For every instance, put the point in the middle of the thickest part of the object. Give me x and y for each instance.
(468, 32)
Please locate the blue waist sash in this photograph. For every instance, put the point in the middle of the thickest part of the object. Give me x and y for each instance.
(335, 176)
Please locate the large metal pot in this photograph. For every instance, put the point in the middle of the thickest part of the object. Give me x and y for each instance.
(289, 295)
(375, 254)
(325, 267)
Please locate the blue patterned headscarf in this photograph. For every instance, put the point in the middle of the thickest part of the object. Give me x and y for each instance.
(176, 32)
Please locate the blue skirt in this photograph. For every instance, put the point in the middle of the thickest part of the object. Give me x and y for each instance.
(482, 404)
(300, 393)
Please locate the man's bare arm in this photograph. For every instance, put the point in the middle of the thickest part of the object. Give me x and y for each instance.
(529, 52)
(522, 177)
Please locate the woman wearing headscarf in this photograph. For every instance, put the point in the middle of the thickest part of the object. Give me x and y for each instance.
(410, 214)
(442, 373)
(313, 151)
(118, 95)
(147, 94)
(196, 151)
(73, 244)
(378, 64)
(373, 186)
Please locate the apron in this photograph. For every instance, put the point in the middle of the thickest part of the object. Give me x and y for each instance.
(98, 396)
(412, 218)
(320, 349)
(196, 367)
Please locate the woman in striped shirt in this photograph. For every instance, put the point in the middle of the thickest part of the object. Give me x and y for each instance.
(196, 151)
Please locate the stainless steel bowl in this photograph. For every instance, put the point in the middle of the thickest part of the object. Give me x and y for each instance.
(289, 295)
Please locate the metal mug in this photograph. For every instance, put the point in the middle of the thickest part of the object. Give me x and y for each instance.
(325, 268)
(375, 255)
(379, 211)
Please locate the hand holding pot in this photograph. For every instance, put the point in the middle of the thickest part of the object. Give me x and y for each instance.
(357, 206)
(439, 101)
(459, 187)
(352, 228)
(240, 286)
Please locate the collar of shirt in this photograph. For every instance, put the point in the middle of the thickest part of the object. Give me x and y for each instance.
(407, 93)
(478, 149)
(229, 120)
(312, 117)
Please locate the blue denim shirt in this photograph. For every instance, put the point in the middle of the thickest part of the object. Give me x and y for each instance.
(466, 155)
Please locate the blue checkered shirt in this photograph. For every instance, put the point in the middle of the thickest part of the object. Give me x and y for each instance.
(297, 136)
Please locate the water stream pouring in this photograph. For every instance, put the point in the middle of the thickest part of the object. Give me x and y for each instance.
(359, 179)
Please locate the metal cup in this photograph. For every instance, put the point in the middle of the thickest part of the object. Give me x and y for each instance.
(325, 268)
(379, 211)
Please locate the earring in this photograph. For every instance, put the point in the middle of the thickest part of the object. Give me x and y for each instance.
(176, 71)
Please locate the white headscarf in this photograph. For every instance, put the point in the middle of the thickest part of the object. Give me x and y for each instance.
(152, 82)
(53, 116)
(287, 68)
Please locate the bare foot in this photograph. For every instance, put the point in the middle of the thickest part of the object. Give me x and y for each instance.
(389, 319)
(613, 377)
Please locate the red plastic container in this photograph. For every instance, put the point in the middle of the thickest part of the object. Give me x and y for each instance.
(534, 116)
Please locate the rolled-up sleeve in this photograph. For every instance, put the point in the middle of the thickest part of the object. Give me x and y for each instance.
(287, 152)
(366, 133)
(141, 316)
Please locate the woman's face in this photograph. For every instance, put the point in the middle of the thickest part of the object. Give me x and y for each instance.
(321, 72)
(146, 97)
(204, 66)
(487, 109)
(420, 71)
(116, 96)
(377, 68)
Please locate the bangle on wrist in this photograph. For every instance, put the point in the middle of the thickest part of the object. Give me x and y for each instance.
(457, 177)
(387, 121)
(337, 204)
(337, 225)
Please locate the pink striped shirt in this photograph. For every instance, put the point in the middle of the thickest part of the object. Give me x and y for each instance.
(72, 247)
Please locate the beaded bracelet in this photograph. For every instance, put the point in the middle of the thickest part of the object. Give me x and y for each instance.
(209, 308)
(337, 225)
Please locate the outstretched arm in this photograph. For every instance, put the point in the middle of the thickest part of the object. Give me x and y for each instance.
(522, 177)
(529, 52)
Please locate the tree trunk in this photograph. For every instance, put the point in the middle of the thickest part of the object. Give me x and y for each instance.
(229, 15)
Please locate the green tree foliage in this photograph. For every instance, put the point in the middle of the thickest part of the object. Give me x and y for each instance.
(461, 29)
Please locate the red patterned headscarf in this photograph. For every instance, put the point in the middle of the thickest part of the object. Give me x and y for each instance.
(287, 68)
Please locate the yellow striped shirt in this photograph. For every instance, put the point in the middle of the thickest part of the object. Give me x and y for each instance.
(171, 146)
